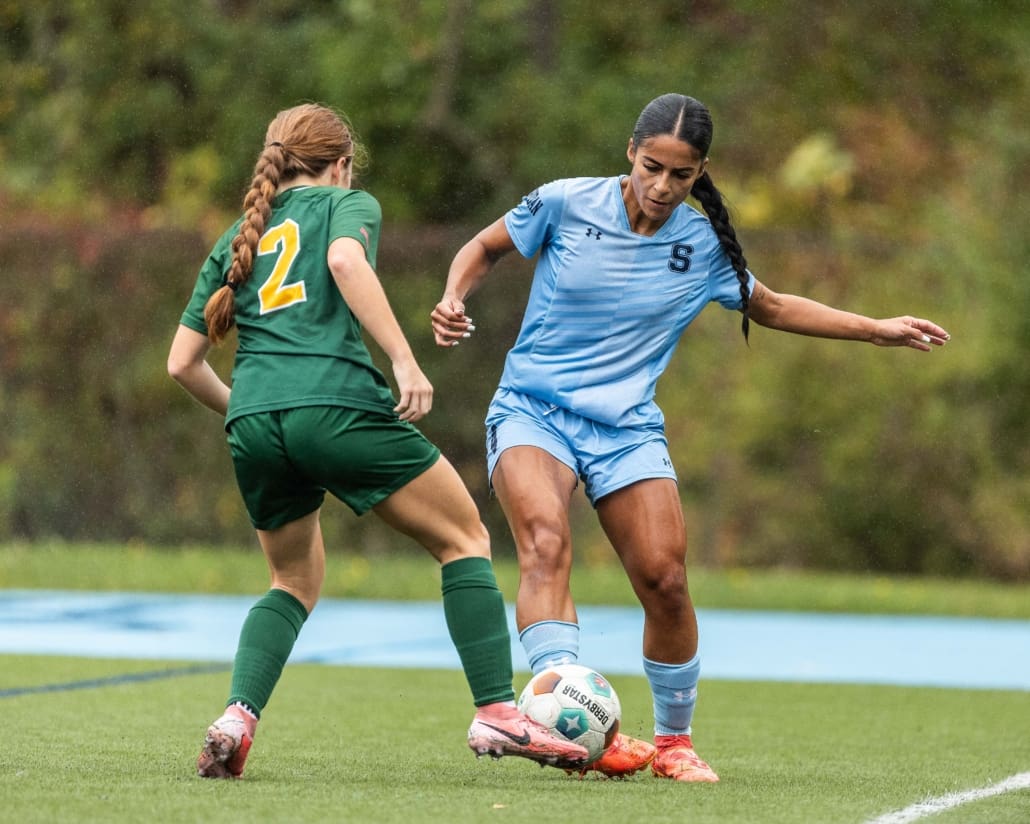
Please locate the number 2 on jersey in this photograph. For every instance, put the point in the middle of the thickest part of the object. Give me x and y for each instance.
(275, 293)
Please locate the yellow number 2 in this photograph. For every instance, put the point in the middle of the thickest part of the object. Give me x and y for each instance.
(274, 293)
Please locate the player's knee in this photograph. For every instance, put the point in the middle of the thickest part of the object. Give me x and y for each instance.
(665, 587)
(545, 547)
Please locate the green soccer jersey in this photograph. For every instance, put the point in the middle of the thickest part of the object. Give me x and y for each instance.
(299, 343)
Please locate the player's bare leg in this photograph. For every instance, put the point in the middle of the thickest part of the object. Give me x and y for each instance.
(644, 522)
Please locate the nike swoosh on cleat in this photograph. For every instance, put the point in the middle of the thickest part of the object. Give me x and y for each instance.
(522, 740)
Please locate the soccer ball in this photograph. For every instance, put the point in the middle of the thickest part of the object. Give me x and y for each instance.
(575, 702)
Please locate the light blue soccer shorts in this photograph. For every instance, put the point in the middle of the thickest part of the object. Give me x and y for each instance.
(605, 458)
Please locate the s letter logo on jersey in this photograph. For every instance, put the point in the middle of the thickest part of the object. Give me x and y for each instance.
(679, 260)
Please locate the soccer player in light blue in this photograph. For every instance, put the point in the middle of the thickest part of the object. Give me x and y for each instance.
(624, 267)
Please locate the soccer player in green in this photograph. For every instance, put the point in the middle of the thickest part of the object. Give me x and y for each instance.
(308, 412)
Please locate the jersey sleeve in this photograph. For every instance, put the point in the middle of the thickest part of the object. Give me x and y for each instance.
(534, 221)
(357, 215)
(210, 279)
(723, 283)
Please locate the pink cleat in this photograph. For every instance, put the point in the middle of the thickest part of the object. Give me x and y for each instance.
(516, 734)
(227, 744)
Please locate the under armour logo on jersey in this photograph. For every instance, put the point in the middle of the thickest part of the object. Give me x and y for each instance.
(592, 232)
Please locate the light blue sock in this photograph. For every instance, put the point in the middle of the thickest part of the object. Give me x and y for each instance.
(549, 643)
(674, 689)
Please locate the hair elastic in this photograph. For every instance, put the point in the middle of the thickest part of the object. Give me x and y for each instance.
(232, 286)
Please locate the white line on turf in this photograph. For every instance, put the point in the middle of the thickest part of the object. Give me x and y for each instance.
(1020, 781)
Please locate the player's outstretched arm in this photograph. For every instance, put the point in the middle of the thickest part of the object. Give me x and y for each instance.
(803, 316)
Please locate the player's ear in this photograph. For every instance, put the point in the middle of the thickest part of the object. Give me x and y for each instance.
(631, 151)
(344, 171)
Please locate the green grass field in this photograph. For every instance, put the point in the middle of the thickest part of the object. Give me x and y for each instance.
(412, 575)
(376, 745)
(364, 745)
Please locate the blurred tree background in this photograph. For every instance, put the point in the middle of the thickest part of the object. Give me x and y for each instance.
(876, 156)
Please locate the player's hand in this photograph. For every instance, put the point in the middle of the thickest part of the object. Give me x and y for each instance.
(450, 323)
(416, 392)
(915, 333)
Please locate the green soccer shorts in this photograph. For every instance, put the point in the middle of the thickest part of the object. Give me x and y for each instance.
(287, 460)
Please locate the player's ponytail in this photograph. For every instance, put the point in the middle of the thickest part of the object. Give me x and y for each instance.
(690, 121)
(711, 201)
(220, 311)
(303, 140)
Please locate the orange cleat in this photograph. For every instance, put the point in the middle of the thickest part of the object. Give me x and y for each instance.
(623, 757)
(227, 744)
(516, 734)
(677, 760)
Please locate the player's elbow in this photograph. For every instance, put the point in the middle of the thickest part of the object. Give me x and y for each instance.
(767, 310)
(178, 368)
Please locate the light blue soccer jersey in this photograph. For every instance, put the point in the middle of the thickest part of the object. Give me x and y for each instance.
(608, 306)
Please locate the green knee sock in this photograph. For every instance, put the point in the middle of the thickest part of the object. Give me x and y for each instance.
(478, 624)
(266, 640)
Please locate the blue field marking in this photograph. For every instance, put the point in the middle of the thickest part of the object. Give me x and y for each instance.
(114, 680)
(971, 653)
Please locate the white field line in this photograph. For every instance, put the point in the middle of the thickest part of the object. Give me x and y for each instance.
(932, 806)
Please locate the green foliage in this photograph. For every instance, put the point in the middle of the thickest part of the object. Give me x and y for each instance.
(466, 105)
(881, 168)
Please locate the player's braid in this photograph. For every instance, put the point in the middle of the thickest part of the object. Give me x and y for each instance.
(690, 121)
(711, 201)
(220, 311)
(302, 140)
(257, 207)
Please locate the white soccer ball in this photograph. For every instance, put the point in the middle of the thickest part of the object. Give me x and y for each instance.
(575, 702)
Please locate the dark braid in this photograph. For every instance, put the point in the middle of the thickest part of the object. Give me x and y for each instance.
(690, 121)
(711, 201)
